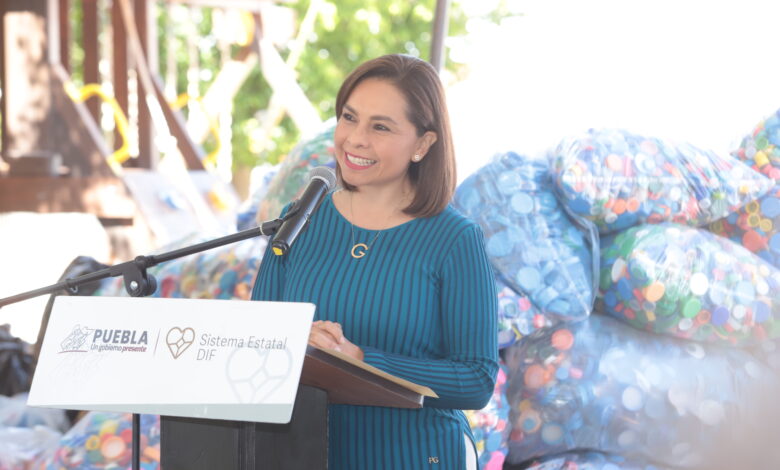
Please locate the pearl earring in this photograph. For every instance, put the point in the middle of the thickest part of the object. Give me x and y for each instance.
(417, 157)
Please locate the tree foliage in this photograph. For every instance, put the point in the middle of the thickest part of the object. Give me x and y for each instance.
(347, 33)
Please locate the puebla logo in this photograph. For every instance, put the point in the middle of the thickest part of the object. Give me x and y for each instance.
(74, 342)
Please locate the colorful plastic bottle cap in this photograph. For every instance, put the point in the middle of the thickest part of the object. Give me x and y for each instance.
(699, 283)
(745, 291)
(685, 324)
(770, 207)
(108, 427)
(695, 350)
(530, 421)
(562, 340)
(625, 289)
(691, 307)
(535, 376)
(93, 442)
(774, 243)
(529, 279)
(719, 316)
(632, 399)
(761, 312)
(113, 447)
(654, 291)
(739, 311)
(618, 269)
(500, 244)
(552, 433)
(522, 203)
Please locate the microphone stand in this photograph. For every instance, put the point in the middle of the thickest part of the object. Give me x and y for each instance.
(139, 283)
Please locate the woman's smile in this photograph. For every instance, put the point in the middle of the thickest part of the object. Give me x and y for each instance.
(357, 163)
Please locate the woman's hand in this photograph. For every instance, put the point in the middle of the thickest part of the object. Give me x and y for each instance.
(329, 335)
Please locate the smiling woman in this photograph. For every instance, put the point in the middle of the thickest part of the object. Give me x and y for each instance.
(375, 149)
(400, 279)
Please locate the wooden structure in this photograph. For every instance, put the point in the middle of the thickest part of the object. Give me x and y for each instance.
(56, 167)
(56, 158)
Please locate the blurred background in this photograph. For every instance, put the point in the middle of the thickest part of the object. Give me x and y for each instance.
(132, 127)
(147, 121)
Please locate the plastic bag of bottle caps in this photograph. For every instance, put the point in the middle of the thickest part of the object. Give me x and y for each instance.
(103, 441)
(517, 315)
(22, 447)
(617, 179)
(528, 237)
(687, 282)
(490, 427)
(602, 385)
(769, 353)
(589, 460)
(247, 213)
(757, 225)
(225, 272)
(292, 177)
(14, 412)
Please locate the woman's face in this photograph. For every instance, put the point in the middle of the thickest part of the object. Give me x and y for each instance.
(374, 140)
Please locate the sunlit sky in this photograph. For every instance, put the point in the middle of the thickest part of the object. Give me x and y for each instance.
(700, 71)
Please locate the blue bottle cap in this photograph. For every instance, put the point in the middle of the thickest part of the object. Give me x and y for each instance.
(522, 203)
(529, 279)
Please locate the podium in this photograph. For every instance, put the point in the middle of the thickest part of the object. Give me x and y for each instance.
(201, 444)
(235, 382)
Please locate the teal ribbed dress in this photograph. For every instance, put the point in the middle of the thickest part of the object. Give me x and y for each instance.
(422, 306)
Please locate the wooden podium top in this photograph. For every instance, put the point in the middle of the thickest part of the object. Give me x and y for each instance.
(353, 382)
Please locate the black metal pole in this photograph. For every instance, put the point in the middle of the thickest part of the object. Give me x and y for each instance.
(136, 441)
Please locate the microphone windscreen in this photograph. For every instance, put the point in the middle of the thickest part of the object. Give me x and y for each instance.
(325, 174)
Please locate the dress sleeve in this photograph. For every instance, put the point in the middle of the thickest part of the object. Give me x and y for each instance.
(465, 376)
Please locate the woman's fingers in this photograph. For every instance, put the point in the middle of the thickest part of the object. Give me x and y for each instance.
(329, 335)
(333, 328)
(326, 336)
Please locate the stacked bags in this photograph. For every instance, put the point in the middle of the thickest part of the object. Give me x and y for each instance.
(291, 177)
(543, 264)
(671, 278)
(601, 385)
(104, 441)
(543, 259)
(598, 385)
(490, 425)
(756, 225)
(517, 315)
(617, 179)
(27, 434)
(689, 283)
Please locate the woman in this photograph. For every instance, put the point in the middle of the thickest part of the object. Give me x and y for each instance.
(400, 280)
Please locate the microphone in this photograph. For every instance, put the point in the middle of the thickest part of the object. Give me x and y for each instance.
(321, 181)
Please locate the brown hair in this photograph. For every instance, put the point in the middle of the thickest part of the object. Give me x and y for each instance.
(419, 82)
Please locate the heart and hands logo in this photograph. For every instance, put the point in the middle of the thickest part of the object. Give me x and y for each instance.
(179, 340)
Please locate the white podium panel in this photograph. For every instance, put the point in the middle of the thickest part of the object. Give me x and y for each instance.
(216, 359)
